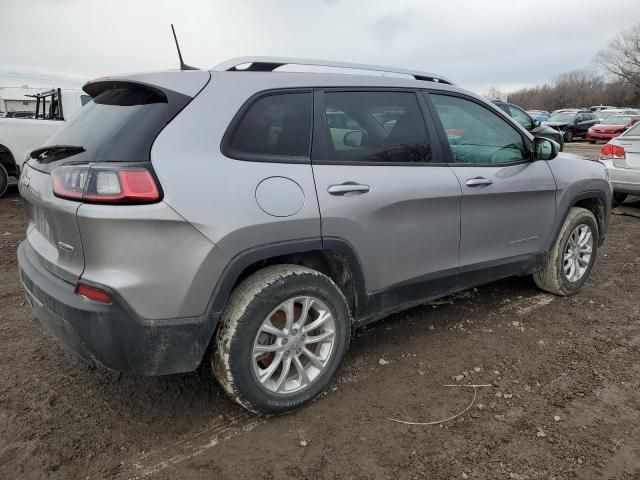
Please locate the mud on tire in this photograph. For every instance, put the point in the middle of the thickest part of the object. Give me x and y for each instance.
(251, 303)
(552, 277)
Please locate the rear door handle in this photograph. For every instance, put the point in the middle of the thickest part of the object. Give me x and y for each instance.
(348, 188)
(478, 182)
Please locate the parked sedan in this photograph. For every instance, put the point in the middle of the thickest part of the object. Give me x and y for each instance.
(612, 127)
(534, 126)
(572, 123)
(622, 159)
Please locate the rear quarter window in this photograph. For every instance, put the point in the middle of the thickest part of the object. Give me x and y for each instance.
(275, 126)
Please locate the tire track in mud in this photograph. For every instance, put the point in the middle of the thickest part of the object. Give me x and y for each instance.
(150, 463)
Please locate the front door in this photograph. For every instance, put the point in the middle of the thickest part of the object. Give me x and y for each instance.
(380, 187)
(508, 200)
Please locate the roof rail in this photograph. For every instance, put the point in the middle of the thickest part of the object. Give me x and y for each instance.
(269, 64)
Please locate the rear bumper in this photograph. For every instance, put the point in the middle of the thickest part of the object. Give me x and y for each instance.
(112, 336)
(623, 180)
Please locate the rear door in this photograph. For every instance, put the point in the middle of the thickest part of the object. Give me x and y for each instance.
(508, 201)
(383, 187)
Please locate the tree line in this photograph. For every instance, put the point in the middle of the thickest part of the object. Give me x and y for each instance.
(614, 79)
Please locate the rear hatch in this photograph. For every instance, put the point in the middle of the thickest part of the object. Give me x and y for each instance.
(119, 125)
(52, 228)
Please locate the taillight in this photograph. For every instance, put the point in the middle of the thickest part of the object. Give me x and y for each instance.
(612, 152)
(105, 184)
(92, 293)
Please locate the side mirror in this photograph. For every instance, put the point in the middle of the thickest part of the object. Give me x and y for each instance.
(545, 149)
(536, 123)
(354, 138)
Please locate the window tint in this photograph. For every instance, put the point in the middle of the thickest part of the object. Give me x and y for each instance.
(120, 124)
(376, 127)
(278, 125)
(476, 134)
(521, 117)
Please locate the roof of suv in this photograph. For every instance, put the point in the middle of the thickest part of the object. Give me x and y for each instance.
(270, 64)
(264, 73)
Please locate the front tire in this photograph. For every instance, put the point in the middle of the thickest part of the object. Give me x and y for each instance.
(569, 263)
(284, 333)
(568, 136)
(619, 198)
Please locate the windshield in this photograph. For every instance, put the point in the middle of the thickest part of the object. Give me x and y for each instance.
(617, 120)
(604, 119)
(562, 117)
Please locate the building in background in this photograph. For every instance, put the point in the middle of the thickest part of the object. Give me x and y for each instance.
(16, 99)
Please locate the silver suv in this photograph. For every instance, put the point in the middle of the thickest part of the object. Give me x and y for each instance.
(253, 217)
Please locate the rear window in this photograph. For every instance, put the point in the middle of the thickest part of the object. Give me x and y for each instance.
(276, 125)
(120, 124)
(633, 131)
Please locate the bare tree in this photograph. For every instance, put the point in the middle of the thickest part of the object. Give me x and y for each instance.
(495, 93)
(622, 57)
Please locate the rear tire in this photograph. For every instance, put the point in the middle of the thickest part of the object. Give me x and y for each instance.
(619, 198)
(264, 324)
(4, 180)
(557, 276)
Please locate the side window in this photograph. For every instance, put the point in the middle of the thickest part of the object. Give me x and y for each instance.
(476, 134)
(580, 118)
(375, 127)
(277, 125)
(521, 117)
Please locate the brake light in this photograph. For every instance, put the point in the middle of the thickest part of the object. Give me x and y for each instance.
(92, 293)
(105, 184)
(612, 152)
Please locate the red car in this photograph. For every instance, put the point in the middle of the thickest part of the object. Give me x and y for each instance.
(611, 127)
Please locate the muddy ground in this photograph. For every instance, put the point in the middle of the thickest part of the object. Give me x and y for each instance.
(563, 403)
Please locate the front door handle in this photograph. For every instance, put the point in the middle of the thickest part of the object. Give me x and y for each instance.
(478, 182)
(348, 188)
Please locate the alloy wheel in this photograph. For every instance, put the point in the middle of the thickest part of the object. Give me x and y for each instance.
(577, 254)
(294, 345)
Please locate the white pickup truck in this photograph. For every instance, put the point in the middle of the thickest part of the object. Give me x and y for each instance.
(19, 135)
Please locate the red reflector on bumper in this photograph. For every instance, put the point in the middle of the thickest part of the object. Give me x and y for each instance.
(93, 294)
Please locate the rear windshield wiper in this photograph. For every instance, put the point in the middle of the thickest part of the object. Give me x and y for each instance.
(51, 153)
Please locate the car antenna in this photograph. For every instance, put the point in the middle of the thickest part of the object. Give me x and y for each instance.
(183, 66)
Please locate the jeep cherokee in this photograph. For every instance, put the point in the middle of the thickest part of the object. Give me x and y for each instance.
(253, 217)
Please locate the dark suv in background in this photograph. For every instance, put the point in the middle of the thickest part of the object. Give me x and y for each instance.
(573, 123)
(534, 126)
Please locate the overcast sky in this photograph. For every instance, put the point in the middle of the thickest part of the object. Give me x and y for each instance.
(476, 43)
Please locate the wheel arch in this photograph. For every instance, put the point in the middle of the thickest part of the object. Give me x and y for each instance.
(333, 257)
(597, 203)
(8, 161)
